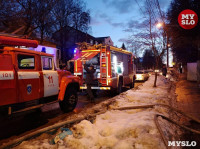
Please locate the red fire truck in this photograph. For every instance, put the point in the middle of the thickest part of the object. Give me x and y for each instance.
(114, 66)
(29, 79)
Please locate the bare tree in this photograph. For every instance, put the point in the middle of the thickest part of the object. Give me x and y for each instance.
(7, 15)
(27, 15)
(62, 12)
(135, 45)
(81, 16)
(148, 36)
(44, 17)
(32, 15)
(68, 15)
(15, 13)
(155, 39)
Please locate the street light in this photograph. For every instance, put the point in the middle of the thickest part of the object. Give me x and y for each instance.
(159, 25)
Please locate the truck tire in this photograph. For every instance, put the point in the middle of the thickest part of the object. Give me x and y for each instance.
(94, 93)
(132, 85)
(119, 88)
(70, 100)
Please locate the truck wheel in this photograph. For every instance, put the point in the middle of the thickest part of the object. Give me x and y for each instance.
(70, 100)
(112, 92)
(132, 84)
(94, 93)
(119, 89)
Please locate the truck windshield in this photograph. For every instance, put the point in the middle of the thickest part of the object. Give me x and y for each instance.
(6, 62)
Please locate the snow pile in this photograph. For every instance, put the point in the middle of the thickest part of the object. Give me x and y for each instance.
(146, 94)
(116, 129)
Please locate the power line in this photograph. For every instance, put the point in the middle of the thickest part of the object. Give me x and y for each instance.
(152, 10)
(159, 10)
(140, 8)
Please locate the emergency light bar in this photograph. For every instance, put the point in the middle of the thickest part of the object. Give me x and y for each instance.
(18, 42)
(75, 51)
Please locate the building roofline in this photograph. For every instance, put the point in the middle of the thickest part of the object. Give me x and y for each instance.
(76, 30)
(102, 37)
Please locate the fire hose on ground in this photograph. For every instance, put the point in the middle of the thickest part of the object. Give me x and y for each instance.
(166, 118)
(15, 142)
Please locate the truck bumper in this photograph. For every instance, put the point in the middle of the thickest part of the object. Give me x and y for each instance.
(96, 87)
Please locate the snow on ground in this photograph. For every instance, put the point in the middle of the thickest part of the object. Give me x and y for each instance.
(116, 129)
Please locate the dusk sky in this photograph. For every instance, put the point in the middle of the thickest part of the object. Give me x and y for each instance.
(115, 17)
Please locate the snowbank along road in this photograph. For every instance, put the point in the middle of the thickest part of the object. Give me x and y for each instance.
(117, 129)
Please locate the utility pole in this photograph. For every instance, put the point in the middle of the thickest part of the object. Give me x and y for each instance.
(166, 34)
(167, 50)
(165, 27)
(198, 62)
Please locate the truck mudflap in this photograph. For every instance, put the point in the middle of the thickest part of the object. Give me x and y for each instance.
(66, 80)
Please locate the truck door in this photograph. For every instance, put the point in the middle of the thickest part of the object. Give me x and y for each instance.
(7, 80)
(51, 85)
(28, 77)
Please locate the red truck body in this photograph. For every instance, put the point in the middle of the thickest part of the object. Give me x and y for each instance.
(114, 66)
(27, 75)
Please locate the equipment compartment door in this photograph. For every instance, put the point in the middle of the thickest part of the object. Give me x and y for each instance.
(7, 80)
(28, 78)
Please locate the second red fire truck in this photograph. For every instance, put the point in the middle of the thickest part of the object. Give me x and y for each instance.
(114, 66)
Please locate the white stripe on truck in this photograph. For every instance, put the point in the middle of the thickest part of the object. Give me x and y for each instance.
(28, 75)
(6, 75)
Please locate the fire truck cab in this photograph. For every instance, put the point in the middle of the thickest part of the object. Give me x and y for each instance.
(29, 79)
(114, 66)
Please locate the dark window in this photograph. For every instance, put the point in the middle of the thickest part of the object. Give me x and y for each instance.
(47, 63)
(26, 62)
